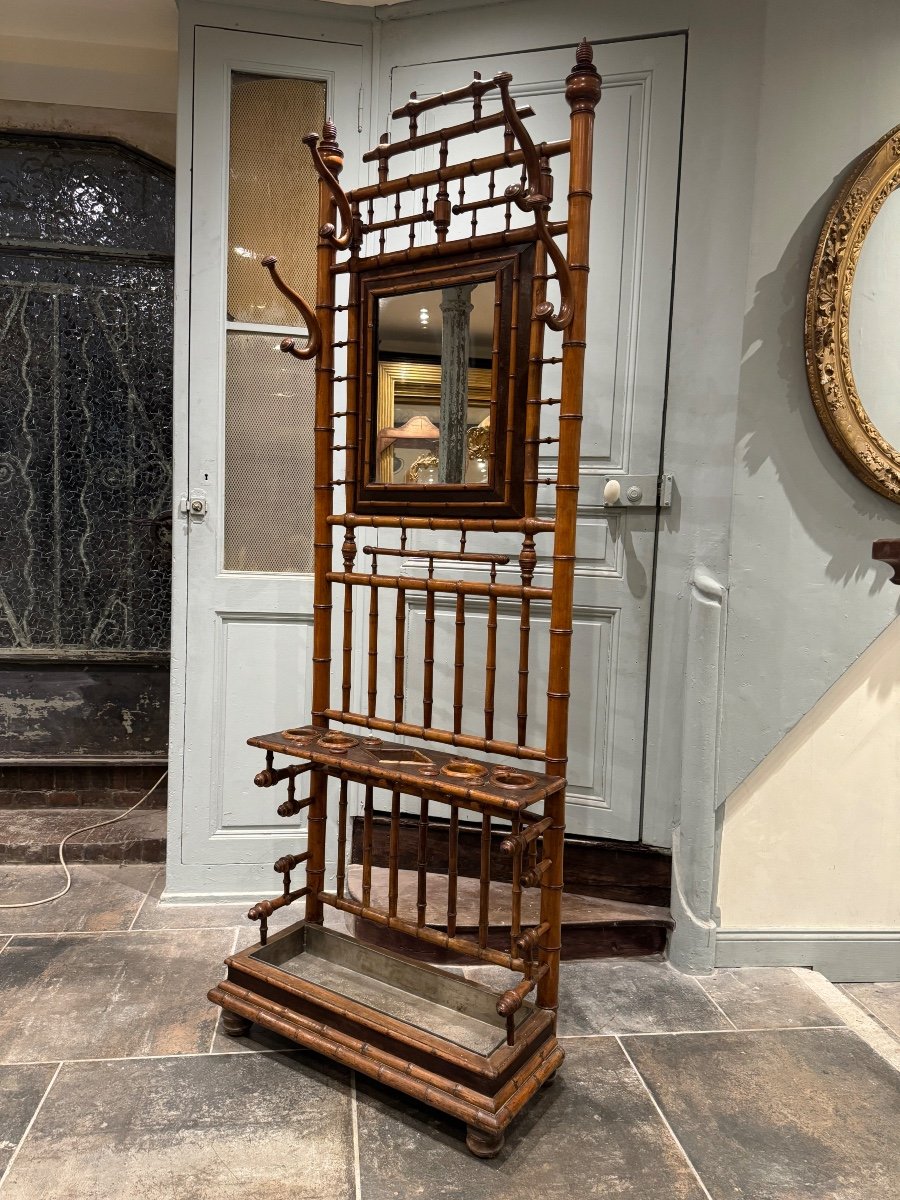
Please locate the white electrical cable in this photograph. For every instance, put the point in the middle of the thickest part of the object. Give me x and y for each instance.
(85, 829)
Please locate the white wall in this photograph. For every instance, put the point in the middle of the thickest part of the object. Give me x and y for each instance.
(805, 597)
(93, 67)
(99, 53)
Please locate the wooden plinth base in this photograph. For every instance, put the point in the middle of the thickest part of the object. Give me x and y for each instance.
(485, 1090)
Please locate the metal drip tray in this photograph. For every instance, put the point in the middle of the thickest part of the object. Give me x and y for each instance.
(443, 1005)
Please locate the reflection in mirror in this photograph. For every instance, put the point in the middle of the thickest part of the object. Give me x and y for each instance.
(434, 385)
(875, 322)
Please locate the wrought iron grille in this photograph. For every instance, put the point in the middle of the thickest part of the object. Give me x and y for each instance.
(86, 254)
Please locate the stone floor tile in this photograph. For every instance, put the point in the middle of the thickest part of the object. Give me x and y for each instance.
(4, 941)
(594, 1132)
(805, 1114)
(156, 915)
(21, 1089)
(621, 996)
(109, 995)
(767, 998)
(882, 1000)
(102, 897)
(212, 1127)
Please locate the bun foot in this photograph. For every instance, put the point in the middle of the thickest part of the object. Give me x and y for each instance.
(484, 1145)
(549, 1081)
(234, 1025)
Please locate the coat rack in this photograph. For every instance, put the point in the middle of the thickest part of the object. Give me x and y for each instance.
(436, 550)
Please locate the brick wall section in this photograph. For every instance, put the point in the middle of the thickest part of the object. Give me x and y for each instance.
(117, 786)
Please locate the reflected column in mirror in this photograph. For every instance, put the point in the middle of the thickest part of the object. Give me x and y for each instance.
(875, 321)
(433, 413)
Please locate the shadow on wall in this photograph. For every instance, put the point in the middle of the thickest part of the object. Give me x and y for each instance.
(839, 513)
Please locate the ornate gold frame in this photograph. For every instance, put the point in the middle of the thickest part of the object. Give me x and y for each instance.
(844, 418)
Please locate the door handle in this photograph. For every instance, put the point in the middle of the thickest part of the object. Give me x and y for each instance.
(636, 491)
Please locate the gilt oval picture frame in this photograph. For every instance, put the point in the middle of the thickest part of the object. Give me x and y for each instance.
(849, 427)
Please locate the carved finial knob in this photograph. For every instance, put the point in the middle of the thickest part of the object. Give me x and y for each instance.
(584, 55)
(510, 1002)
(329, 131)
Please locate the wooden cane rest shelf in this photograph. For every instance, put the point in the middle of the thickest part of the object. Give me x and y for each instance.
(441, 778)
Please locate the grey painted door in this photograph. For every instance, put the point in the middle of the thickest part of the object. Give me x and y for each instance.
(632, 247)
(247, 566)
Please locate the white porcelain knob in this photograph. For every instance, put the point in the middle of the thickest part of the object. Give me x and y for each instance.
(612, 492)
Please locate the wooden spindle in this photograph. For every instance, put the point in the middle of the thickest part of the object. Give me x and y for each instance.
(490, 668)
(442, 207)
(515, 927)
(428, 681)
(349, 554)
(459, 662)
(452, 868)
(484, 888)
(367, 847)
(394, 853)
(527, 564)
(342, 838)
(373, 643)
(422, 865)
(399, 654)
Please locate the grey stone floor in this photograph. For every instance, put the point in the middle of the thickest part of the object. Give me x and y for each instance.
(116, 1080)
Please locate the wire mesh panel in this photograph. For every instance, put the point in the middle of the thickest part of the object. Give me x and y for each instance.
(272, 196)
(269, 409)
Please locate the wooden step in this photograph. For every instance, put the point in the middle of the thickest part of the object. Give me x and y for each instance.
(32, 835)
(593, 927)
(607, 869)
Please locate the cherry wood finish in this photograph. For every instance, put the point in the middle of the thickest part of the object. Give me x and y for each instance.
(518, 804)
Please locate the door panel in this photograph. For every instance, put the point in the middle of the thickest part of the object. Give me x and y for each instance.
(632, 242)
(249, 621)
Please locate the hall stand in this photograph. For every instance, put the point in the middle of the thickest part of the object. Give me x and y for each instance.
(474, 1052)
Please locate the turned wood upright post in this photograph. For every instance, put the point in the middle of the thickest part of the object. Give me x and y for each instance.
(582, 94)
(333, 157)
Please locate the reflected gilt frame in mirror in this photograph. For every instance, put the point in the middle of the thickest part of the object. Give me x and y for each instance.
(841, 410)
(502, 495)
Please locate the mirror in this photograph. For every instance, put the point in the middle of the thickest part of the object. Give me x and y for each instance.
(875, 321)
(852, 317)
(434, 385)
(445, 375)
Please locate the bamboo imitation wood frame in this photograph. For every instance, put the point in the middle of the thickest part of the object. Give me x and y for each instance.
(484, 1091)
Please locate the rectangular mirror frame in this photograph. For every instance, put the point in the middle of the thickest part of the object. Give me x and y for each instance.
(503, 496)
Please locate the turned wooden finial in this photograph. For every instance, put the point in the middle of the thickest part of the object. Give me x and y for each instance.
(332, 154)
(583, 82)
(329, 131)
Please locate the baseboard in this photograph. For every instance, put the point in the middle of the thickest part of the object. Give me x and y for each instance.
(843, 956)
